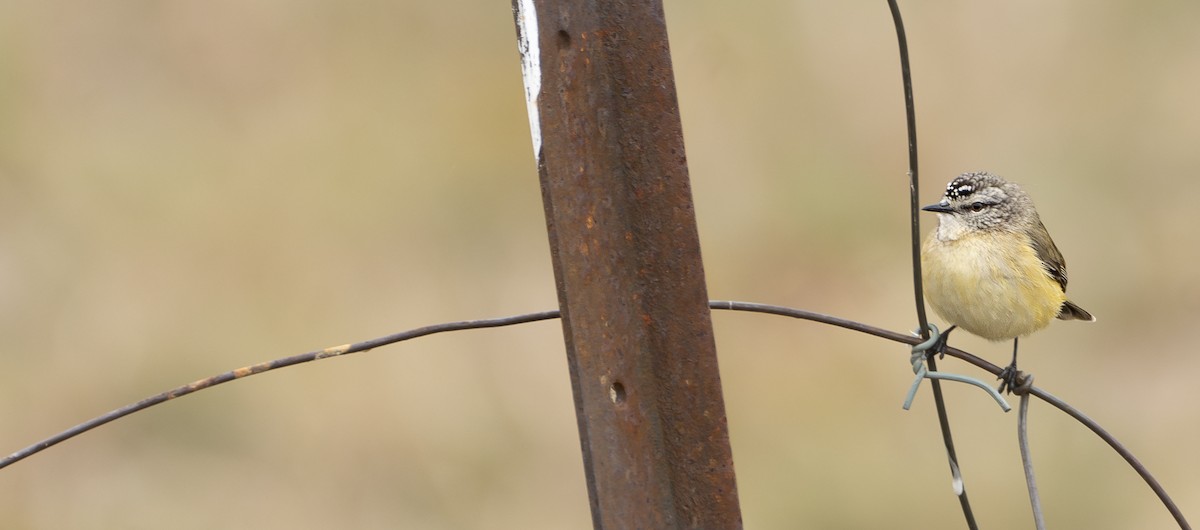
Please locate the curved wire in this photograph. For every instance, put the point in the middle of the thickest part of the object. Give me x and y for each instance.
(984, 365)
(347, 349)
(919, 354)
(939, 401)
(1035, 500)
(259, 368)
(924, 373)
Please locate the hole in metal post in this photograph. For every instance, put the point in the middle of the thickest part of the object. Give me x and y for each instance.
(616, 392)
(564, 38)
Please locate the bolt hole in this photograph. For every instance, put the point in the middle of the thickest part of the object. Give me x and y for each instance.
(564, 38)
(616, 392)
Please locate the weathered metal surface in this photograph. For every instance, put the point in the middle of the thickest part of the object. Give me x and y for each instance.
(626, 253)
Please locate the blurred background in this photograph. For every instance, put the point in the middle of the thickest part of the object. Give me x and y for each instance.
(190, 187)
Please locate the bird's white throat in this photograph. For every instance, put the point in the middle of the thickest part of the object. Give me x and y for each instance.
(950, 227)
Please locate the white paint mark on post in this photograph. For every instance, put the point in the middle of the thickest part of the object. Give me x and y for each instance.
(531, 68)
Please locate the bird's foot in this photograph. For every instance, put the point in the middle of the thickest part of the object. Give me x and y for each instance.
(939, 345)
(1013, 380)
(936, 345)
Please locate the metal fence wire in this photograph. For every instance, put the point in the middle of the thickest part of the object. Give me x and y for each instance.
(632, 298)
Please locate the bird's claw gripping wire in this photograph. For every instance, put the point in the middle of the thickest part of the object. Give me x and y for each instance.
(1015, 381)
(934, 345)
(1008, 379)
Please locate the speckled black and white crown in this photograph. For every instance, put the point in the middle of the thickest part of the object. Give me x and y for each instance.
(965, 185)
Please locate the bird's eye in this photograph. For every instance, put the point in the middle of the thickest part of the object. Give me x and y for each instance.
(977, 206)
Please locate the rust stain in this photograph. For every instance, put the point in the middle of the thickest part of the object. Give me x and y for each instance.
(639, 323)
(333, 351)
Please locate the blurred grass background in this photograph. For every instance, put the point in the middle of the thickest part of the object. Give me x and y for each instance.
(188, 187)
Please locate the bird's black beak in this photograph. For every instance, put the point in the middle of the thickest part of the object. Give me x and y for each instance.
(941, 207)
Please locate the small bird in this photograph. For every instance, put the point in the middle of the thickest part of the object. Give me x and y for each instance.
(991, 267)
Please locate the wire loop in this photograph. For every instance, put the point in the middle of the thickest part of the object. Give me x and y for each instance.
(921, 351)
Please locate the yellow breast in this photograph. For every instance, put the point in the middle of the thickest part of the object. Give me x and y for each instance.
(990, 284)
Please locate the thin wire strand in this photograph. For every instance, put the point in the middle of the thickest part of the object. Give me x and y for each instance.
(922, 372)
(910, 115)
(547, 315)
(927, 374)
(1058, 403)
(259, 368)
(1120, 449)
(1035, 501)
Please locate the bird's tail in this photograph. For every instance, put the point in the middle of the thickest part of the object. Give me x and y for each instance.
(1070, 311)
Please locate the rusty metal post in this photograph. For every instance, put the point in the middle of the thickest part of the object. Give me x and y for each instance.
(626, 253)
